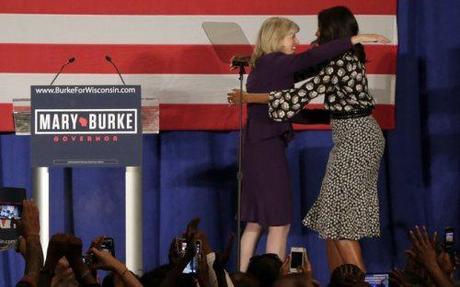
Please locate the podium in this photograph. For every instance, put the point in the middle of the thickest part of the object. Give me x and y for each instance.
(48, 125)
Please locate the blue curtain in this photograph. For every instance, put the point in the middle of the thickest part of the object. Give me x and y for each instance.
(188, 174)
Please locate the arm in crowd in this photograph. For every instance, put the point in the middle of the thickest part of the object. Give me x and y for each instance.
(105, 261)
(425, 253)
(29, 243)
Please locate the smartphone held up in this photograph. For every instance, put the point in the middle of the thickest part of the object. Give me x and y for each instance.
(298, 256)
(192, 266)
(10, 211)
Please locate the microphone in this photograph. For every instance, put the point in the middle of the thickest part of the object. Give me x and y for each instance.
(109, 59)
(69, 61)
(240, 61)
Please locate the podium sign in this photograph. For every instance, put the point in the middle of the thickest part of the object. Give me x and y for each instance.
(75, 126)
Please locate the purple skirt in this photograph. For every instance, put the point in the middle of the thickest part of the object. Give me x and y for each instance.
(266, 195)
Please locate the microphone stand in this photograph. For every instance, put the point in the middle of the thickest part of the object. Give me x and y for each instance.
(69, 61)
(240, 164)
(133, 207)
(109, 59)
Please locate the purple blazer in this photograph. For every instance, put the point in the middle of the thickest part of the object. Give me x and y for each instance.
(274, 72)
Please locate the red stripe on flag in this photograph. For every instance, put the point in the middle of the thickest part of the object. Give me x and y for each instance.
(224, 117)
(381, 59)
(6, 118)
(149, 59)
(202, 7)
(208, 117)
(385, 116)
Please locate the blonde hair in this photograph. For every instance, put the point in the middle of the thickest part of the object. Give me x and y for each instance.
(271, 33)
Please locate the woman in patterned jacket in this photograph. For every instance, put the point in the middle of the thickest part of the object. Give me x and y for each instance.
(347, 208)
(266, 196)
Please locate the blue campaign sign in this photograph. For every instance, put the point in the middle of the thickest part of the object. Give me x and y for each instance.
(86, 126)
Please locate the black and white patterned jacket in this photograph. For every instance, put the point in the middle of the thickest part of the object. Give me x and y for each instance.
(342, 82)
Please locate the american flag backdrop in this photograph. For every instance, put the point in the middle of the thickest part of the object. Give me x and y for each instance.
(160, 45)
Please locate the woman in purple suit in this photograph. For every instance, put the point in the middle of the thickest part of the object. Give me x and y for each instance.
(266, 195)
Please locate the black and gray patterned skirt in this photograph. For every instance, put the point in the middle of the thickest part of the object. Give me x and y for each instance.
(348, 206)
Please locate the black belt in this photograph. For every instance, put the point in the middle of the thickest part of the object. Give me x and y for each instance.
(351, 114)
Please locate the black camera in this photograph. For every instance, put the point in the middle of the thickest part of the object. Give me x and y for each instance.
(107, 245)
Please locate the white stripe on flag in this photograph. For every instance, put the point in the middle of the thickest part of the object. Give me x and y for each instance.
(102, 29)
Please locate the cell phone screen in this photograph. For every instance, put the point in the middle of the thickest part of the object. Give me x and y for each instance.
(192, 266)
(9, 211)
(378, 280)
(108, 246)
(296, 259)
(449, 237)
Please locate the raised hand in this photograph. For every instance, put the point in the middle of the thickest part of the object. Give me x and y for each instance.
(96, 243)
(221, 259)
(203, 271)
(284, 270)
(192, 228)
(398, 278)
(425, 253)
(174, 254)
(74, 256)
(104, 260)
(57, 248)
(235, 97)
(446, 263)
(74, 249)
(21, 246)
(191, 237)
(424, 250)
(369, 38)
(29, 240)
(30, 222)
(306, 267)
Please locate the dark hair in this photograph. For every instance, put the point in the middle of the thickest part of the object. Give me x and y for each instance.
(154, 277)
(337, 23)
(241, 279)
(347, 275)
(266, 268)
(292, 280)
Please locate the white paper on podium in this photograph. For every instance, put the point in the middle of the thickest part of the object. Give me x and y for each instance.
(150, 115)
(21, 116)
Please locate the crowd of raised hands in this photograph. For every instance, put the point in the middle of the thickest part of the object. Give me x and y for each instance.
(263, 270)
(65, 264)
(428, 263)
